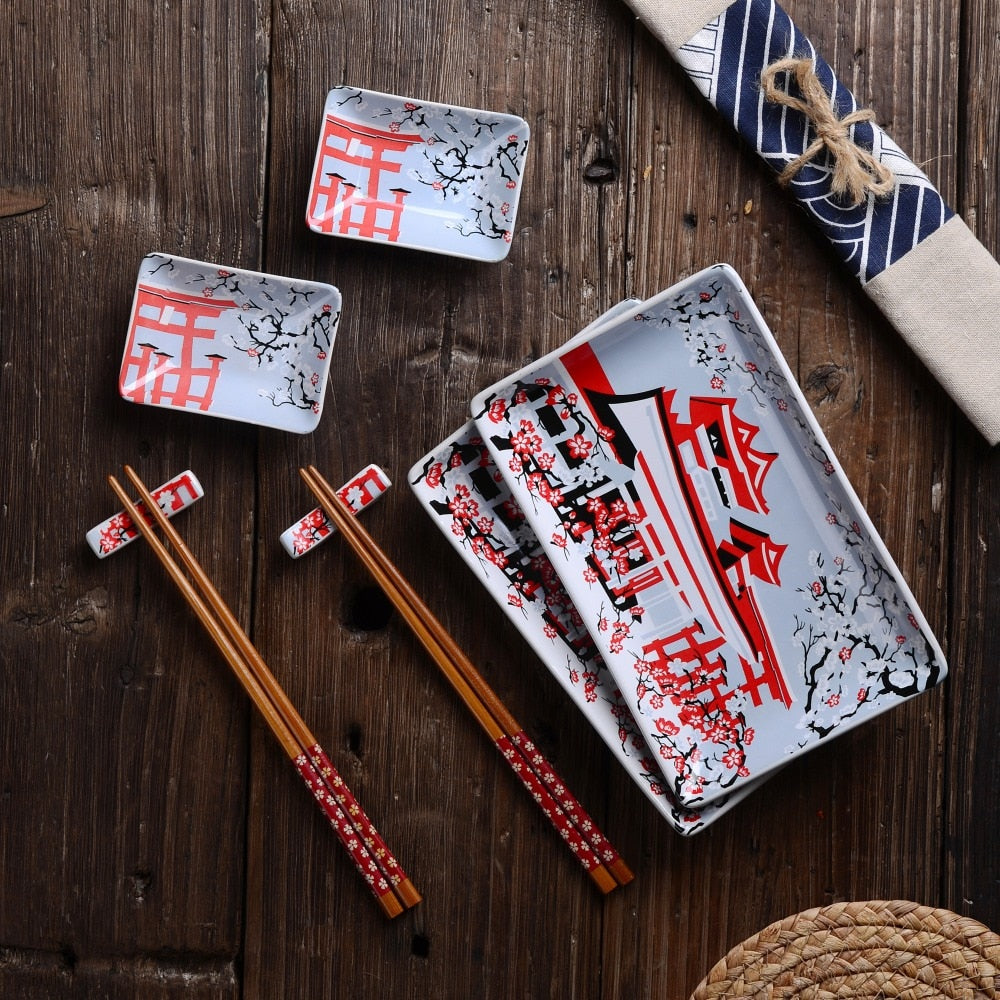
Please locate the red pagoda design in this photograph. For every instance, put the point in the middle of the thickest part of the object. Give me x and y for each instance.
(704, 479)
(161, 365)
(707, 480)
(351, 193)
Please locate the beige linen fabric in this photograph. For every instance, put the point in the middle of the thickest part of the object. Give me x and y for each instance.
(675, 23)
(943, 297)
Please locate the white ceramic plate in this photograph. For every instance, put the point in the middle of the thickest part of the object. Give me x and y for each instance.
(736, 589)
(469, 500)
(417, 174)
(228, 342)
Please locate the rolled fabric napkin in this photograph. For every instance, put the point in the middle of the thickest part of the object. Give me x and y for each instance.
(914, 257)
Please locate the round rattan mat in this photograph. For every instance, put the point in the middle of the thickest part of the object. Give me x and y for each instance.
(871, 949)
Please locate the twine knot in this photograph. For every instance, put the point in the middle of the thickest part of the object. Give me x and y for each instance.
(856, 172)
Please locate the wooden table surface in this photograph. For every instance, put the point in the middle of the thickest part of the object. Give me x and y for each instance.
(154, 841)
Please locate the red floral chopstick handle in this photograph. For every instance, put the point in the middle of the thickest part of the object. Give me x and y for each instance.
(513, 755)
(561, 793)
(356, 831)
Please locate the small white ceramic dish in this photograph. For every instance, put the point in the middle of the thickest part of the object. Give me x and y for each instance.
(734, 586)
(417, 174)
(230, 343)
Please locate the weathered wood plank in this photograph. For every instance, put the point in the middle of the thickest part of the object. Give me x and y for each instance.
(972, 849)
(123, 755)
(808, 836)
(506, 908)
(153, 839)
(47, 975)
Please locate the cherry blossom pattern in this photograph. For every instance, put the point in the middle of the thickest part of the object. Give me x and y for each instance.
(470, 160)
(269, 341)
(728, 343)
(859, 641)
(467, 491)
(372, 858)
(599, 523)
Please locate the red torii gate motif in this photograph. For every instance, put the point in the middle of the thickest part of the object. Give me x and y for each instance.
(358, 207)
(152, 373)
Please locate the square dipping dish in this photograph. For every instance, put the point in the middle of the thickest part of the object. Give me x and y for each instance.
(417, 174)
(229, 343)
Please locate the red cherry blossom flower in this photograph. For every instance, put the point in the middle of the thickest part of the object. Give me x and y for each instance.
(579, 446)
(525, 442)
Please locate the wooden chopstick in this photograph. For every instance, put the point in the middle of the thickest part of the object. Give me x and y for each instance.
(603, 863)
(595, 853)
(370, 853)
(376, 863)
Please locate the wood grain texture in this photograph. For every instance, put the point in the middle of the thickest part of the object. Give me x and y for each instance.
(974, 583)
(153, 839)
(123, 742)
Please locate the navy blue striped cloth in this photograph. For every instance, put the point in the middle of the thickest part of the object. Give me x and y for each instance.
(725, 60)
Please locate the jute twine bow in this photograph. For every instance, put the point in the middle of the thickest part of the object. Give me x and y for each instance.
(856, 173)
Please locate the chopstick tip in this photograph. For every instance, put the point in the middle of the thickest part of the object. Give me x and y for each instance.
(408, 893)
(605, 881)
(621, 871)
(391, 906)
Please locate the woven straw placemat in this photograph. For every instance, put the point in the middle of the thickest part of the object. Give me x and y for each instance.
(871, 949)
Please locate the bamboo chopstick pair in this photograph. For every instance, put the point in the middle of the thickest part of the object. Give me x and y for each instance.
(581, 834)
(369, 852)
